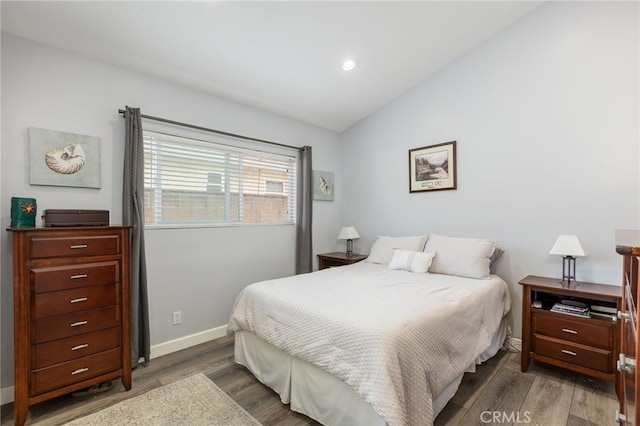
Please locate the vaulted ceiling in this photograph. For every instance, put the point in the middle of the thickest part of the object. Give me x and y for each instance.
(282, 57)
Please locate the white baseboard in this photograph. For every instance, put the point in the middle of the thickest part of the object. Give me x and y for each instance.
(6, 395)
(165, 348)
(185, 342)
(513, 344)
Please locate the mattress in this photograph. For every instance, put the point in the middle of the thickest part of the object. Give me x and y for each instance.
(398, 339)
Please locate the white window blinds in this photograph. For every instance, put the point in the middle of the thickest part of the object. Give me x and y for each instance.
(190, 182)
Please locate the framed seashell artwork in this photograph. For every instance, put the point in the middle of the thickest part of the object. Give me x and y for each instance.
(64, 159)
(323, 186)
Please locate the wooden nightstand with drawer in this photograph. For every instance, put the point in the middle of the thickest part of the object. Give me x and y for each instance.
(587, 344)
(329, 260)
(71, 311)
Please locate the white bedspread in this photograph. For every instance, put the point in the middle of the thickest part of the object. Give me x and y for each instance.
(396, 337)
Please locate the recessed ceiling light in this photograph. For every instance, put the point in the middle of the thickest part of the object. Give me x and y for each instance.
(350, 64)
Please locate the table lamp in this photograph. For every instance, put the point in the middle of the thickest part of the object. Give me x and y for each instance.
(569, 247)
(349, 233)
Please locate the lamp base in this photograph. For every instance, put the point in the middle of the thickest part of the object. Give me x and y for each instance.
(349, 247)
(569, 270)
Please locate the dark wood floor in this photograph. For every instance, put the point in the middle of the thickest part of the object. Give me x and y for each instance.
(499, 391)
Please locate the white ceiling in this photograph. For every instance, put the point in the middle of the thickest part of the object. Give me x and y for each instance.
(282, 57)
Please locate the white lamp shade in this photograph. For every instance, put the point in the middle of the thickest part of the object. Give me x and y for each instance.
(348, 233)
(568, 245)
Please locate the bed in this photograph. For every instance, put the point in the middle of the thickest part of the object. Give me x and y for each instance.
(371, 343)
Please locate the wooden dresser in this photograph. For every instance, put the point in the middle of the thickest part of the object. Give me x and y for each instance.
(628, 245)
(71, 306)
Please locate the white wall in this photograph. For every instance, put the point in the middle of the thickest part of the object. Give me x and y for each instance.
(198, 272)
(545, 115)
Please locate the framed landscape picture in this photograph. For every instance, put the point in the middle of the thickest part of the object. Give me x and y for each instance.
(433, 167)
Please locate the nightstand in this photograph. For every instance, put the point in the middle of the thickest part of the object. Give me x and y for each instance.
(329, 260)
(588, 345)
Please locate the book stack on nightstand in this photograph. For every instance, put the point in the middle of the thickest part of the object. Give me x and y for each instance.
(604, 310)
(570, 307)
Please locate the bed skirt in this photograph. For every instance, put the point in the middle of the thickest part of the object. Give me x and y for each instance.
(317, 394)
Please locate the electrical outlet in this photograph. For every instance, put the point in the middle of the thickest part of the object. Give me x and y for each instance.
(177, 317)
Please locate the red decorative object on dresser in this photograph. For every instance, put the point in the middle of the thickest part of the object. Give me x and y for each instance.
(71, 305)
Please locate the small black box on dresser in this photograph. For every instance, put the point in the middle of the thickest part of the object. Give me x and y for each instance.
(71, 217)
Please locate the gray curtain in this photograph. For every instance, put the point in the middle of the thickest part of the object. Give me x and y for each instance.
(304, 247)
(133, 214)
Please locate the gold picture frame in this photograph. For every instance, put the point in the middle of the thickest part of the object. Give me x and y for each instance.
(433, 167)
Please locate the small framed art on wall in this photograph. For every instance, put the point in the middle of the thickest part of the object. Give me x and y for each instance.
(323, 186)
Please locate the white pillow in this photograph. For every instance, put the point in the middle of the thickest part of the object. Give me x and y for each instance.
(412, 261)
(465, 257)
(382, 248)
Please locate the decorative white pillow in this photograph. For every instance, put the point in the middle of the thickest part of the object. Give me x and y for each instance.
(412, 261)
(382, 248)
(465, 257)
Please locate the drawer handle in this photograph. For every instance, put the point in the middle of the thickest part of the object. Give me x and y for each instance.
(79, 323)
(620, 418)
(78, 246)
(76, 277)
(568, 330)
(84, 345)
(79, 299)
(79, 370)
(564, 351)
(625, 364)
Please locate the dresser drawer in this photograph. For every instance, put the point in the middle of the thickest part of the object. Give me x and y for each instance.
(74, 371)
(61, 326)
(74, 300)
(591, 334)
(575, 353)
(42, 247)
(61, 350)
(72, 276)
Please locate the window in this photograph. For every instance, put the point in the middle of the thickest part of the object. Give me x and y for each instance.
(190, 182)
(214, 182)
(273, 186)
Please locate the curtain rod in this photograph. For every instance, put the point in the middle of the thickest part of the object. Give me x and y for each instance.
(206, 129)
